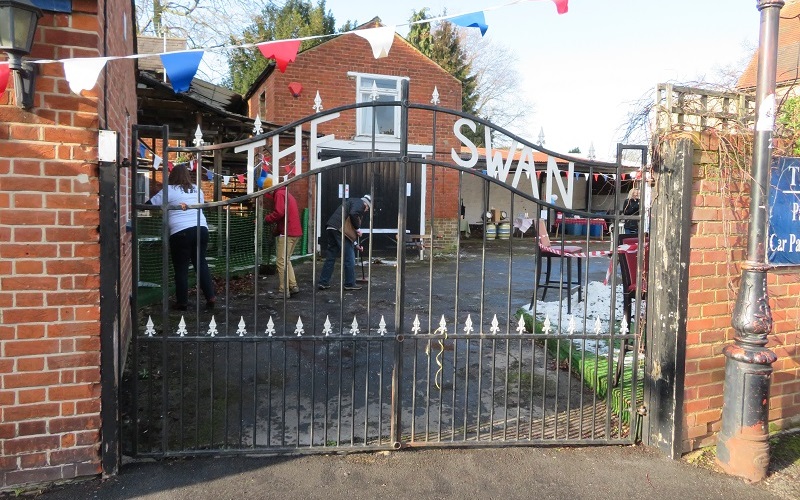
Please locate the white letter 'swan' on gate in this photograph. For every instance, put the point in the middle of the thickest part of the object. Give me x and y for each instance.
(473, 159)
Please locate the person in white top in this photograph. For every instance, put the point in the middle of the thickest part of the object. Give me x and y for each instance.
(184, 236)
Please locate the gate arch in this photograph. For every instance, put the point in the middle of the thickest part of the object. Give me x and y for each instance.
(457, 348)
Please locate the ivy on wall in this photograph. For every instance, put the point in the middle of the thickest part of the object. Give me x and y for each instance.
(789, 119)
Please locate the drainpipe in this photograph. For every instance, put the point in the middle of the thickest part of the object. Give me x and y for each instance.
(742, 448)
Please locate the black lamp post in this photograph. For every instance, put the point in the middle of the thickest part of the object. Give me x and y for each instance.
(742, 448)
(18, 20)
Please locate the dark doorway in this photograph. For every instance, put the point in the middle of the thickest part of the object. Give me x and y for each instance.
(382, 178)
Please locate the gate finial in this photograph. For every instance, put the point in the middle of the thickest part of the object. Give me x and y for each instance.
(373, 94)
(198, 137)
(382, 326)
(541, 137)
(150, 331)
(435, 96)
(257, 128)
(182, 328)
(270, 327)
(495, 329)
(317, 103)
(327, 330)
(415, 326)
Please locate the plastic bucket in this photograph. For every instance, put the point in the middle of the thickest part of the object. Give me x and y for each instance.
(491, 231)
(504, 231)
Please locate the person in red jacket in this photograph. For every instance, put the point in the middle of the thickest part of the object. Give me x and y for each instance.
(288, 232)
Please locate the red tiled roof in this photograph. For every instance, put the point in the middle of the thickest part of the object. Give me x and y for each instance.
(538, 156)
(788, 63)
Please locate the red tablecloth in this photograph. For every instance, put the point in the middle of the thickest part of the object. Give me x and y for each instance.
(580, 220)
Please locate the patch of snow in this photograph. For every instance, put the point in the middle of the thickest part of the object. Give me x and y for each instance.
(591, 316)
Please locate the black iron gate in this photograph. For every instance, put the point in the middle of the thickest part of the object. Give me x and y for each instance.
(458, 348)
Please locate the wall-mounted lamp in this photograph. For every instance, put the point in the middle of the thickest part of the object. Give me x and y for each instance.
(18, 20)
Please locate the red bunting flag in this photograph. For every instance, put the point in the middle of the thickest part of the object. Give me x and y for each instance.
(295, 88)
(240, 177)
(538, 173)
(596, 176)
(561, 6)
(283, 52)
(5, 71)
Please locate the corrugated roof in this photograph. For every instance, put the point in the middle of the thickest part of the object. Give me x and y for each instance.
(788, 62)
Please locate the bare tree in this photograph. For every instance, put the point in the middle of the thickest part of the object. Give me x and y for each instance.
(498, 83)
(203, 23)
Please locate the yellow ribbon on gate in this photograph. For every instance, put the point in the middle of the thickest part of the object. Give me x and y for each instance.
(442, 330)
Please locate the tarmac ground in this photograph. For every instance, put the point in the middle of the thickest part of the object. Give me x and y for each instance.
(629, 472)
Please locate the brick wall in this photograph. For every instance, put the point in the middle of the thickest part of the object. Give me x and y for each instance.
(719, 243)
(325, 68)
(49, 250)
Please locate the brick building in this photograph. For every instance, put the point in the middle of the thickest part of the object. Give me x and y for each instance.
(342, 70)
(64, 253)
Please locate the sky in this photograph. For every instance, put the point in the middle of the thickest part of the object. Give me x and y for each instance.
(584, 70)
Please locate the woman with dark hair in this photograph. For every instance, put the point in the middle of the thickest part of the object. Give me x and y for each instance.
(184, 237)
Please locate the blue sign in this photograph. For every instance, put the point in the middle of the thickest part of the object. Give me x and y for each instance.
(54, 5)
(784, 212)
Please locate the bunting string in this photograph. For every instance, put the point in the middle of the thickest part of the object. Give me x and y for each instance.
(262, 169)
(181, 66)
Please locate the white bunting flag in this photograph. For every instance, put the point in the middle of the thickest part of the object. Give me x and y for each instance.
(157, 162)
(226, 179)
(81, 74)
(379, 38)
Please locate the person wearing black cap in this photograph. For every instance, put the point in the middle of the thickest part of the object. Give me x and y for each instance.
(353, 210)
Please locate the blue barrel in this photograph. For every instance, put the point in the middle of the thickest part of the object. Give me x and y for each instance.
(491, 231)
(504, 231)
(596, 231)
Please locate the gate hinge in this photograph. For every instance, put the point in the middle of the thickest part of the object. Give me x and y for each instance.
(642, 410)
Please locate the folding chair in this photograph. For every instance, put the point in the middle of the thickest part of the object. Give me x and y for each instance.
(566, 253)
